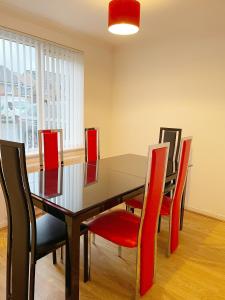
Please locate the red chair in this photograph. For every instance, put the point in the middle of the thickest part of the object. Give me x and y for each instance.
(171, 205)
(49, 152)
(128, 230)
(91, 144)
(166, 135)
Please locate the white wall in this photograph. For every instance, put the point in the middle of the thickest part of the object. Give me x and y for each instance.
(98, 70)
(177, 81)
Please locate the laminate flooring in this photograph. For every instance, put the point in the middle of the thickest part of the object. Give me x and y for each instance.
(195, 271)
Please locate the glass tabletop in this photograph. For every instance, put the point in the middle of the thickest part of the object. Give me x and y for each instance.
(132, 164)
(80, 186)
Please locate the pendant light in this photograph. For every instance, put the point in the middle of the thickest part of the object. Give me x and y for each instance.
(124, 17)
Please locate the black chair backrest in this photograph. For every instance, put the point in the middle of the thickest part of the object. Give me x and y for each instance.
(20, 213)
(173, 136)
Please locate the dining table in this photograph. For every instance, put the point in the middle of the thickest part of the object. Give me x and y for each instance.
(80, 191)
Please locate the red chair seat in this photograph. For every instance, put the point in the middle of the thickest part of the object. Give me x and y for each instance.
(166, 205)
(135, 203)
(119, 227)
(165, 209)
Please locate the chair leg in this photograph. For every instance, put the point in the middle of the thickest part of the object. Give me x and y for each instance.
(130, 209)
(137, 295)
(169, 235)
(137, 280)
(54, 258)
(61, 254)
(159, 224)
(86, 265)
(32, 280)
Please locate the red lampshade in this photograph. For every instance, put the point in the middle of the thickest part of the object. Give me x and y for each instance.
(124, 16)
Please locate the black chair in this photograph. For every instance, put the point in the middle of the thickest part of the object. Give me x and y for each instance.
(173, 136)
(28, 239)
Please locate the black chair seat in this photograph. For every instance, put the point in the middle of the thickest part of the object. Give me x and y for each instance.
(51, 233)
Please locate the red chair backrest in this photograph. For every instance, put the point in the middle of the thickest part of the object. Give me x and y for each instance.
(91, 145)
(182, 174)
(49, 138)
(155, 180)
(51, 150)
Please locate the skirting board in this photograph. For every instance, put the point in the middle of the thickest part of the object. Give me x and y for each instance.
(205, 213)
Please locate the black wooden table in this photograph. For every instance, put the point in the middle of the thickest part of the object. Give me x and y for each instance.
(80, 191)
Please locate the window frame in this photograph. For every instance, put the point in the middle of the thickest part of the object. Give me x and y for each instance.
(37, 43)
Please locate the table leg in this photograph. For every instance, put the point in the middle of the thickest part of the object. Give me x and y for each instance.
(72, 258)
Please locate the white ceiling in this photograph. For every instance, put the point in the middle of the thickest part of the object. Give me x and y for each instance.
(159, 18)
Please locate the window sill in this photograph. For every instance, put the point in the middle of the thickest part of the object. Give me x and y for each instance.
(69, 156)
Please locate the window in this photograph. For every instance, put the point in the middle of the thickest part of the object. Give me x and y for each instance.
(41, 86)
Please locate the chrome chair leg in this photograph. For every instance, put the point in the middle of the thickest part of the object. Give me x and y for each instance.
(137, 279)
(169, 236)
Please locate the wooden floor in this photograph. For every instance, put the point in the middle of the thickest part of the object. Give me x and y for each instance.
(195, 271)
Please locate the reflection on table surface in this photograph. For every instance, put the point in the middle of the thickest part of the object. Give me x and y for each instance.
(90, 173)
(51, 182)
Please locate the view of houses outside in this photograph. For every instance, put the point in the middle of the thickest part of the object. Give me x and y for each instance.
(18, 108)
(18, 103)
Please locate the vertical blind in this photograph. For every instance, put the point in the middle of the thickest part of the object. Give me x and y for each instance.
(41, 87)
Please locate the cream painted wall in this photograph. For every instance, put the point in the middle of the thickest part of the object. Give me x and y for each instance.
(175, 82)
(98, 70)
